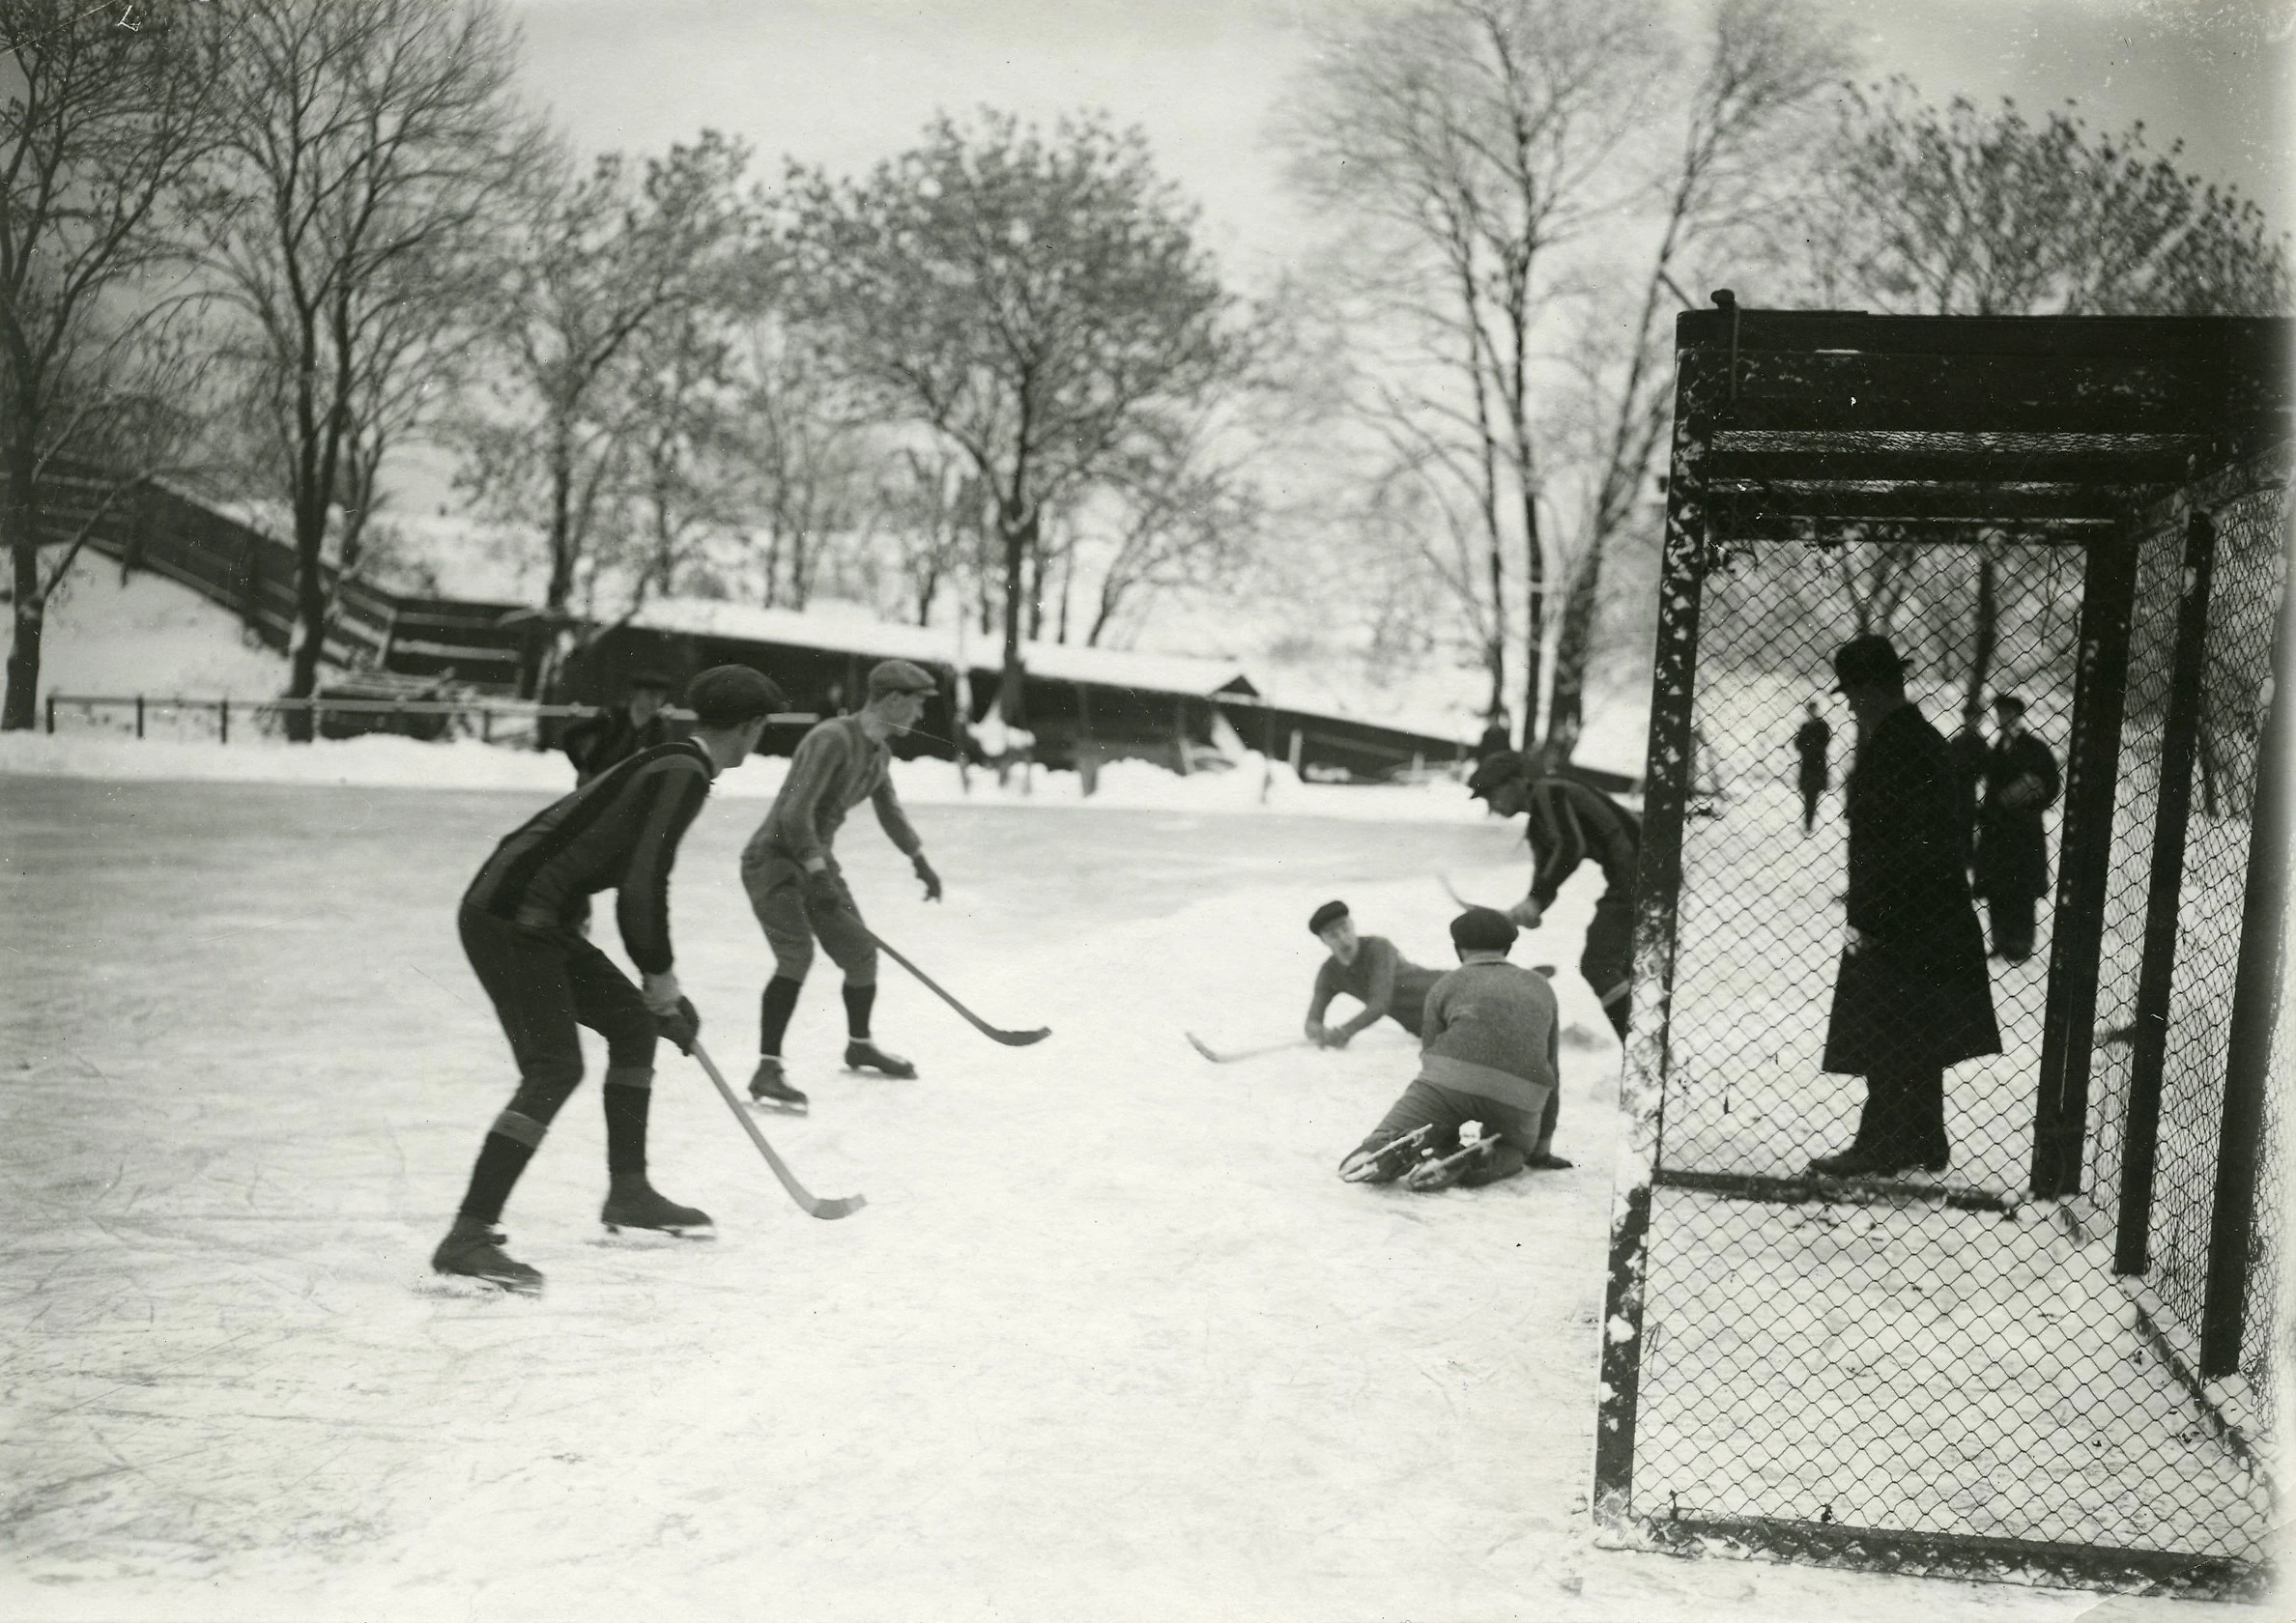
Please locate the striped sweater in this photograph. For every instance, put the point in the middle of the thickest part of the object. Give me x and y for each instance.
(837, 767)
(617, 832)
(1489, 1028)
(1570, 823)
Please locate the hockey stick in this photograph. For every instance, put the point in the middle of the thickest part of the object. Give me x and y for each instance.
(814, 1205)
(1216, 1058)
(1009, 1039)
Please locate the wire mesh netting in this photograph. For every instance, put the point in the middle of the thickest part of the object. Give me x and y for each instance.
(1905, 1345)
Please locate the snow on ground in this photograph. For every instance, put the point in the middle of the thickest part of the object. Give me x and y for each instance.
(1110, 1340)
(376, 761)
(147, 635)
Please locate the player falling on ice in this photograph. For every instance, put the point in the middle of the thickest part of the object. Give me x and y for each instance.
(1367, 968)
(521, 923)
(1488, 1054)
(798, 891)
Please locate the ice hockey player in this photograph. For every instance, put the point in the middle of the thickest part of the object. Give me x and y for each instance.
(1488, 1054)
(1568, 824)
(521, 922)
(798, 891)
(604, 741)
(1368, 969)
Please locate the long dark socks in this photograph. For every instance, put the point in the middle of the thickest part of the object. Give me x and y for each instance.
(626, 1110)
(774, 1009)
(858, 1002)
(501, 1159)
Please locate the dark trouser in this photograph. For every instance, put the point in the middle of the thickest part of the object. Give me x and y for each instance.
(1608, 959)
(1904, 1121)
(1810, 790)
(544, 984)
(1446, 1110)
(791, 920)
(2012, 925)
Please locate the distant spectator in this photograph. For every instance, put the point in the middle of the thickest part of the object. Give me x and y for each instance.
(600, 743)
(1498, 734)
(1811, 742)
(2012, 855)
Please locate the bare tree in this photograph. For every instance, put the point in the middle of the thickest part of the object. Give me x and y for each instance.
(1471, 138)
(1758, 77)
(600, 259)
(805, 439)
(366, 142)
(1183, 520)
(99, 124)
(1036, 301)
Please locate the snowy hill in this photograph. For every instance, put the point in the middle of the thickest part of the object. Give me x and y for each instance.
(109, 636)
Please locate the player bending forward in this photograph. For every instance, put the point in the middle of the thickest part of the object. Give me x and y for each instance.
(1488, 1054)
(521, 923)
(796, 889)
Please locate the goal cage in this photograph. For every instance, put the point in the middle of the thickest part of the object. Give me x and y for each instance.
(2052, 1361)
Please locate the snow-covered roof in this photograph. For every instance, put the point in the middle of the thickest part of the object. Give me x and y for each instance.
(1057, 662)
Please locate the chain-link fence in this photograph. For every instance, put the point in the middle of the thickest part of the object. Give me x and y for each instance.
(1956, 1248)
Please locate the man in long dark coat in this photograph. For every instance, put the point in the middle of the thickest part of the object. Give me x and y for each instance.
(2012, 858)
(1912, 995)
(1811, 742)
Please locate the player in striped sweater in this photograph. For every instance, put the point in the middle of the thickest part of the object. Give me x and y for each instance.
(1567, 824)
(521, 924)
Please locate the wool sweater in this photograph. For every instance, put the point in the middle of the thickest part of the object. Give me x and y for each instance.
(1489, 1028)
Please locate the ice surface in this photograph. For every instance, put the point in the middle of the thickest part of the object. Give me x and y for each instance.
(1110, 1340)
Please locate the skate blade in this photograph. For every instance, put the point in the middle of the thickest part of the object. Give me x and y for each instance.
(468, 1287)
(887, 1075)
(776, 1107)
(628, 1236)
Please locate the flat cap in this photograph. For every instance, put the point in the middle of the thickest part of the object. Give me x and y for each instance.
(729, 695)
(2010, 703)
(900, 676)
(653, 677)
(1326, 916)
(1866, 661)
(1482, 929)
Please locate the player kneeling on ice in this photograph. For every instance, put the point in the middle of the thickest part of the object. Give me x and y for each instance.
(1488, 1054)
(795, 887)
(521, 924)
(1367, 968)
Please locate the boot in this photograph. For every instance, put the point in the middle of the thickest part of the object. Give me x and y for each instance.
(1441, 1172)
(632, 1203)
(771, 1089)
(1384, 1163)
(861, 1054)
(473, 1250)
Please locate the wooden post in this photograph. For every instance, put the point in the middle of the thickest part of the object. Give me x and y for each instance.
(51, 710)
(139, 716)
(1180, 734)
(486, 725)
(222, 721)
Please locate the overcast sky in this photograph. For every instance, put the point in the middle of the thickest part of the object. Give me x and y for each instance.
(844, 82)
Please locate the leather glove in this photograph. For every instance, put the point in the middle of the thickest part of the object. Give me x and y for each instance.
(681, 1025)
(1527, 913)
(933, 884)
(824, 890)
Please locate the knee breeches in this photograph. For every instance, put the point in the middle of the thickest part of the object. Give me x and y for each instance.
(792, 920)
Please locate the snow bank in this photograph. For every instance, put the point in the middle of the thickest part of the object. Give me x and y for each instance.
(389, 762)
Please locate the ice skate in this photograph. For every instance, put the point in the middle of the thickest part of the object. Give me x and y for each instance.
(1384, 1163)
(861, 1054)
(769, 1089)
(637, 1207)
(1443, 1172)
(473, 1250)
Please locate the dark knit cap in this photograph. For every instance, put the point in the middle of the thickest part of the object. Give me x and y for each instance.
(1500, 766)
(652, 679)
(2010, 703)
(1326, 916)
(1482, 929)
(729, 695)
